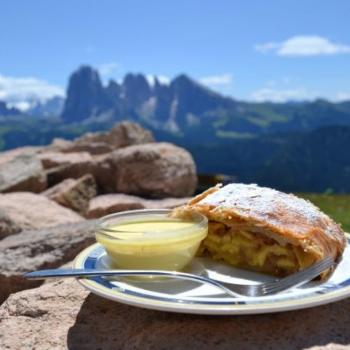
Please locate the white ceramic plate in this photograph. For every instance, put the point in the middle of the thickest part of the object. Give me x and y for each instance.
(189, 297)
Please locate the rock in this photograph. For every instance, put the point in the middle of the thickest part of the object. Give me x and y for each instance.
(92, 147)
(61, 315)
(39, 249)
(61, 166)
(155, 170)
(9, 155)
(112, 203)
(60, 145)
(127, 134)
(32, 211)
(121, 135)
(74, 193)
(103, 172)
(55, 159)
(7, 225)
(22, 172)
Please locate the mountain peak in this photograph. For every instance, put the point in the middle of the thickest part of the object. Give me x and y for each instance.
(131, 80)
(85, 94)
(88, 73)
(113, 86)
(136, 90)
(182, 79)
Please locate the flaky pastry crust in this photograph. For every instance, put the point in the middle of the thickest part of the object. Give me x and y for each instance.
(283, 217)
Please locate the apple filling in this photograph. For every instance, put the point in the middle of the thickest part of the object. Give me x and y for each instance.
(253, 251)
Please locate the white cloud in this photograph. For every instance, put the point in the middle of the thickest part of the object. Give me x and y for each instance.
(108, 68)
(23, 92)
(282, 95)
(217, 80)
(342, 96)
(161, 78)
(304, 45)
(21, 105)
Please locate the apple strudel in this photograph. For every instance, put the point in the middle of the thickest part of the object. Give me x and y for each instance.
(264, 230)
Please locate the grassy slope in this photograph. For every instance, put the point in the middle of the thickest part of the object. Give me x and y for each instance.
(336, 206)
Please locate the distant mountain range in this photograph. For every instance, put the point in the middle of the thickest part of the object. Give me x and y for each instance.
(6, 111)
(295, 146)
(185, 107)
(50, 108)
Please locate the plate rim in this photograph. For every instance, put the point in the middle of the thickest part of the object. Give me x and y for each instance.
(207, 309)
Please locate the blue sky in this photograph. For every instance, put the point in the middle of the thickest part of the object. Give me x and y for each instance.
(253, 50)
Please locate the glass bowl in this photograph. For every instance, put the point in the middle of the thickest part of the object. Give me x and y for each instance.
(151, 239)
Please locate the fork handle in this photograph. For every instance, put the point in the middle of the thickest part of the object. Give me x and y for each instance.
(63, 273)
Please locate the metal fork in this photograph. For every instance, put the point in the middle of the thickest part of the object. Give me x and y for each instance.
(232, 289)
(280, 285)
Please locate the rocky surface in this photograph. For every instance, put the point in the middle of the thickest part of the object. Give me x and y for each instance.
(122, 135)
(48, 230)
(32, 211)
(60, 166)
(7, 225)
(125, 159)
(21, 172)
(9, 155)
(55, 159)
(61, 315)
(38, 249)
(156, 170)
(113, 203)
(74, 193)
(60, 145)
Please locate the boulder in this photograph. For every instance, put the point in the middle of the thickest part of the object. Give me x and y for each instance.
(60, 145)
(155, 170)
(61, 166)
(9, 155)
(21, 172)
(93, 147)
(112, 203)
(7, 225)
(121, 135)
(55, 159)
(74, 193)
(127, 134)
(62, 315)
(33, 211)
(39, 249)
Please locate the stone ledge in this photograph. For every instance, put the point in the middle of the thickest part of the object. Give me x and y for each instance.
(40, 249)
(62, 315)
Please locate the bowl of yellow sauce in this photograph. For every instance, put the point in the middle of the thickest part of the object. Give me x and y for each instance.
(151, 239)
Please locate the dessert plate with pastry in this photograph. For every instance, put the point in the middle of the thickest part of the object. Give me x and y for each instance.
(237, 233)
